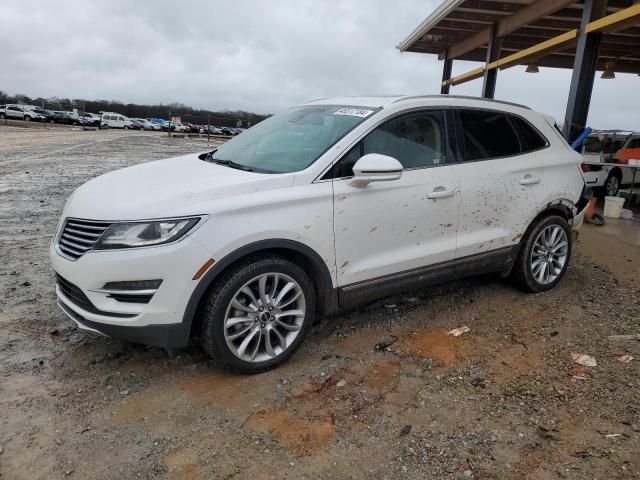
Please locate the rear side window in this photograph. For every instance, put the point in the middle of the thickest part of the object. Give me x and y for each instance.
(488, 134)
(529, 136)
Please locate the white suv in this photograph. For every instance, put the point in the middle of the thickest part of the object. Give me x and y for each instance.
(330, 204)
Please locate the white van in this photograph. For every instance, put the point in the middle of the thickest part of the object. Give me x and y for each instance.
(114, 120)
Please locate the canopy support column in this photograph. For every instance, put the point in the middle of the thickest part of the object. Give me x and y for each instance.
(491, 74)
(584, 70)
(446, 74)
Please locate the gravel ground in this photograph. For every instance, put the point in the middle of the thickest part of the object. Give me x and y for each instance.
(504, 400)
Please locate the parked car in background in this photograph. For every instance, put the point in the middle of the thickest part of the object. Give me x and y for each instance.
(115, 120)
(241, 247)
(46, 115)
(66, 118)
(156, 127)
(158, 121)
(600, 150)
(211, 130)
(21, 112)
(137, 124)
(226, 131)
(89, 119)
(176, 127)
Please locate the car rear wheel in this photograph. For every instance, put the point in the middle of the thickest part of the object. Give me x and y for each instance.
(545, 255)
(27, 118)
(258, 314)
(612, 184)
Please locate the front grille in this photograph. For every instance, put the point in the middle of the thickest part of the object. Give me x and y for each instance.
(76, 295)
(79, 236)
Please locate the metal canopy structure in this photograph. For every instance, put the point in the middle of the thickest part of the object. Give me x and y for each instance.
(585, 36)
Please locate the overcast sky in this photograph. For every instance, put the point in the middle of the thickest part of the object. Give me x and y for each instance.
(260, 56)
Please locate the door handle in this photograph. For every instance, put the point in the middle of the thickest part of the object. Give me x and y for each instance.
(439, 192)
(529, 180)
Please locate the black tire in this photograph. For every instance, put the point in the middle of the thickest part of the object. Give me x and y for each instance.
(27, 118)
(223, 292)
(522, 273)
(612, 184)
(1, 116)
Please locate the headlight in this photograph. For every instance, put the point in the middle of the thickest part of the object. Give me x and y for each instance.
(144, 234)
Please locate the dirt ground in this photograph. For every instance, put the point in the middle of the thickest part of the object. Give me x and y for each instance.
(502, 401)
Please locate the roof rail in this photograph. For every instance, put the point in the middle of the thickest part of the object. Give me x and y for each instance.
(463, 97)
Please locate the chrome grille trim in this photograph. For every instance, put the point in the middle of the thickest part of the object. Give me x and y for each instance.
(78, 236)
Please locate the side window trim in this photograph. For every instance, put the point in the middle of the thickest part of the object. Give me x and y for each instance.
(448, 153)
(460, 139)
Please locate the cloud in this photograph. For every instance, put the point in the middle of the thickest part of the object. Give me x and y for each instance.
(252, 55)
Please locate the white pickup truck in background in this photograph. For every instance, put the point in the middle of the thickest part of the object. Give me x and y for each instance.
(606, 175)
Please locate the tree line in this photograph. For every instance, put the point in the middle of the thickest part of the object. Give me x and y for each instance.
(226, 118)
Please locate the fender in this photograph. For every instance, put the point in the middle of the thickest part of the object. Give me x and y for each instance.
(326, 283)
(566, 206)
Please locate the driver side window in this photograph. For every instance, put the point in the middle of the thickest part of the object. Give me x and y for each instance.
(416, 140)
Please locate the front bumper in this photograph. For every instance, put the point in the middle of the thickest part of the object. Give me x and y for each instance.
(158, 322)
(174, 335)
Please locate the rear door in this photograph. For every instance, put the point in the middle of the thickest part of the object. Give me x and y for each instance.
(391, 227)
(501, 181)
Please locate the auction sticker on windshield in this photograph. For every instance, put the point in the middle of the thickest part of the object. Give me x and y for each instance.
(354, 112)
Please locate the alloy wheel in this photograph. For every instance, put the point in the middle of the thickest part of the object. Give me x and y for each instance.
(264, 317)
(549, 254)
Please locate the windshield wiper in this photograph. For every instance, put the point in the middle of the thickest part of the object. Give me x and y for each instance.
(227, 163)
(231, 164)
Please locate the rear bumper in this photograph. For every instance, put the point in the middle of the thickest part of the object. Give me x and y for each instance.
(173, 335)
(581, 206)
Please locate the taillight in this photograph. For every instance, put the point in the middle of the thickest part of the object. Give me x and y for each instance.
(584, 167)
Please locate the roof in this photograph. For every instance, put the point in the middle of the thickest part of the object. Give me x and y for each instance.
(374, 101)
(382, 101)
(463, 28)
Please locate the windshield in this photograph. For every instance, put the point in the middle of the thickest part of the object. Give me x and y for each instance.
(293, 140)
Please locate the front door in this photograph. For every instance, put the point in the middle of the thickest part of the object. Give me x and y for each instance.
(390, 227)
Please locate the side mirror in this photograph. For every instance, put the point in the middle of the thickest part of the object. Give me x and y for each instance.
(374, 167)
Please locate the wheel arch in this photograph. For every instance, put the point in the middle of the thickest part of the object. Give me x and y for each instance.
(299, 253)
(615, 171)
(562, 207)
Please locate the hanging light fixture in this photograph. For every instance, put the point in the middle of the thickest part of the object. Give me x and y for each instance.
(609, 72)
(532, 68)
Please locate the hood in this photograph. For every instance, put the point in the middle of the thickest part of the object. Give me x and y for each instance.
(150, 189)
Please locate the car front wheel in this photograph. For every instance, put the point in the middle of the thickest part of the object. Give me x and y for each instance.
(258, 314)
(544, 256)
